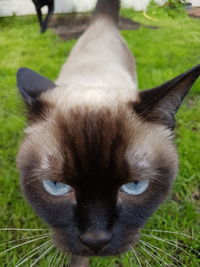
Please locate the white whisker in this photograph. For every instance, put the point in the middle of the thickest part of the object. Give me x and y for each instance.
(25, 258)
(21, 229)
(21, 239)
(170, 242)
(172, 257)
(58, 259)
(41, 256)
(138, 260)
(170, 232)
(140, 254)
(30, 241)
(150, 254)
(130, 260)
(63, 261)
(53, 258)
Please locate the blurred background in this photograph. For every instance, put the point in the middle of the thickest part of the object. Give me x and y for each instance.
(24, 7)
(164, 36)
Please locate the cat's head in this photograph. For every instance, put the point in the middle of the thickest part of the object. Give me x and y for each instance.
(95, 173)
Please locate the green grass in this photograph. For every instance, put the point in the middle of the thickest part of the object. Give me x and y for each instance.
(161, 54)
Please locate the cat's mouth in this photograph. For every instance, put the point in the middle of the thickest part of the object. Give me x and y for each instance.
(105, 252)
(102, 244)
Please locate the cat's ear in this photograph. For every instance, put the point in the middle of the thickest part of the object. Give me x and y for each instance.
(31, 84)
(160, 104)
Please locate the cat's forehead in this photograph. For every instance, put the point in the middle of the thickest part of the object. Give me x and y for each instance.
(100, 143)
(90, 96)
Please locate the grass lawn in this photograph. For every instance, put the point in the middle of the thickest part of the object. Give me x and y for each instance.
(161, 54)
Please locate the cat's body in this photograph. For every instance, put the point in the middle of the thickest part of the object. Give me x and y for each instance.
(98, 157)
(99, 52)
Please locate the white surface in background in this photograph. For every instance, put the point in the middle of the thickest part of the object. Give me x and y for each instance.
(194, 2)
(25, 7)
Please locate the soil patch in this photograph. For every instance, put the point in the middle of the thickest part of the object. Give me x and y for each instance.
(73, 25)
(195, 12)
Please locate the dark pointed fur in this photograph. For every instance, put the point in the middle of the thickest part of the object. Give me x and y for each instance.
(110, 8)
(160, 104)
(31, 85)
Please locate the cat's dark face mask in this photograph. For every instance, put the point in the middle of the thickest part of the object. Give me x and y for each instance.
(98, 215)
(77, 164)
(96, 188)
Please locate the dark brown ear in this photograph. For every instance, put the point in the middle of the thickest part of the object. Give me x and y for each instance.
(160, 104)
(31, 84)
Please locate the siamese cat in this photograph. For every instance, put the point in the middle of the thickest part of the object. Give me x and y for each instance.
(98, 156)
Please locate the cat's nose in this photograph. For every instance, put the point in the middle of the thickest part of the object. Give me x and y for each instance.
(95, 240)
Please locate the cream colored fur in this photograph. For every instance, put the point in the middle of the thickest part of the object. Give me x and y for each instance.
(99, 71)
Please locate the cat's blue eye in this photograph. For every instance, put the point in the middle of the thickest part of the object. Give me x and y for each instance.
(135, 188)
(55, 188)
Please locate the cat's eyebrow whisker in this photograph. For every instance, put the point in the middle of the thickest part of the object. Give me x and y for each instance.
(25, 243)
(27, 257)
(138, 260)
(171, 232)
(157, 180)
(21, 239)
(172, 257)
(31, 181)
(153, 256)
(150, 254)
(21, 229)
(173, 243)
(41, 256)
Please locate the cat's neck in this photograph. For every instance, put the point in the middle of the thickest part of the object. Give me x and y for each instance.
(100, 58)
(94, 96)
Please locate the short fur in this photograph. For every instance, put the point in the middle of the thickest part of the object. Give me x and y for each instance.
(96, 152)
(95, 132)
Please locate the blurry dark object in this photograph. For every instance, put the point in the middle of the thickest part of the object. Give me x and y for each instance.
(188, 6)
(38, 5)
(176, 3)
(71, 26)
(194, 12)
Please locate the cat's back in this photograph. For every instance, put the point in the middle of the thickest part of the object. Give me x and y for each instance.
(100, 58)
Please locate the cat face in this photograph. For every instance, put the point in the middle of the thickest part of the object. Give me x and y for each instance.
(118, 169)
(95, 173)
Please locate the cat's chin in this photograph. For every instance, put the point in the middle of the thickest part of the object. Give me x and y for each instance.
(106, 252)
(75, 247)
(87, 253)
